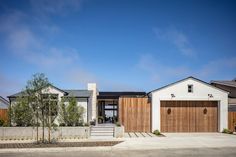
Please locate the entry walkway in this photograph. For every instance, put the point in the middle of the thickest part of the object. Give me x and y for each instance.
(139, 135)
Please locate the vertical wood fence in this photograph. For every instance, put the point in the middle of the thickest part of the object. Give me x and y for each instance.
(231, 121)
(3, 114)
(135, 114)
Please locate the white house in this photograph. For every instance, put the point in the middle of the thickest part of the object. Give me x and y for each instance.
(83, 98)
(189, 105)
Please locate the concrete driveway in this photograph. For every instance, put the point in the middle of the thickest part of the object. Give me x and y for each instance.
(179, 140)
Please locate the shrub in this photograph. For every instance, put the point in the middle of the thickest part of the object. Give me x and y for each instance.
(157, 132)
(62, 124)
(2, 122)
(86, 124)
(227, 131)
(118, 124)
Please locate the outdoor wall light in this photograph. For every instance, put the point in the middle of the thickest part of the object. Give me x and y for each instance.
(210, 95)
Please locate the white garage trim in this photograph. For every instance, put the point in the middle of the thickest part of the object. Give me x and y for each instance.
(202, 91)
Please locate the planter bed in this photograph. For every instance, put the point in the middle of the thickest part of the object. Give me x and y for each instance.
(59, 144)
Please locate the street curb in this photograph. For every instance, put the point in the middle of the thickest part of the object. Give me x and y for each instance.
(57, 149)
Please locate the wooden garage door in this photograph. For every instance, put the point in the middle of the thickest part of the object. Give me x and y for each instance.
(135, 114)
(189, 116)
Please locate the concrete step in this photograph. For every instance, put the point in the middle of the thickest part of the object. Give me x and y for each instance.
(101, 137)
(101, 128)
(102, 132)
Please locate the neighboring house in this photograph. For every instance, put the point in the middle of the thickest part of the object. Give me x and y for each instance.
(189, 105)
(230, 86)
(3, 108)
(3, 103)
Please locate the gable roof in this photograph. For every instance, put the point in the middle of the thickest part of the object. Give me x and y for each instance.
(190, 77)
(225, 83)
(3, 103)
(23, 93)
(67, 93)
(78, 93)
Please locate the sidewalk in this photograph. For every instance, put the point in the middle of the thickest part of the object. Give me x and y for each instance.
(196, 140)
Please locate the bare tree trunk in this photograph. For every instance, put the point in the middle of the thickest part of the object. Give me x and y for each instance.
(49, 124)
(43, 124)
(37, 126)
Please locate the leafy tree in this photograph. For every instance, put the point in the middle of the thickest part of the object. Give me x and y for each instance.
(74, 112)
(63, 116)
(22, 113)
(34, 92)
(43, 103)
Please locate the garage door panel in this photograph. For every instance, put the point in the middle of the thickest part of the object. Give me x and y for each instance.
(189, 116)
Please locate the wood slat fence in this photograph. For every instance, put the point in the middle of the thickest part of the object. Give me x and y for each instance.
(3, 114)
(231, 121)
(135, 114)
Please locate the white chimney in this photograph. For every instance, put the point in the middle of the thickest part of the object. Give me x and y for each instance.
(93, 109)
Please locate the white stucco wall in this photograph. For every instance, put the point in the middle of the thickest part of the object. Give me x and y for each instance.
(200, 92)
(93, 100)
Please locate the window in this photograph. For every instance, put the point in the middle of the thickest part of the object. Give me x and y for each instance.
(190, 88)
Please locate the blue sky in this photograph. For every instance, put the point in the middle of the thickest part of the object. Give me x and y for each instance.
(119, 44)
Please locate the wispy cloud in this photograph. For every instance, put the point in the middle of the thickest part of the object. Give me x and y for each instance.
(29, 46)
(177, 38)
(159, 72)
(9, 85)
(80, 76)
(215, 67)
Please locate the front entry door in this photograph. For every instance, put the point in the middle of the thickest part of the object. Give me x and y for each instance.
(107, 112)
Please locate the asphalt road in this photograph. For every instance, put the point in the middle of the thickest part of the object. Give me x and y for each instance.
(198, 152)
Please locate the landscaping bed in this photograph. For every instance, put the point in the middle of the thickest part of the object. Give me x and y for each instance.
(59, 144)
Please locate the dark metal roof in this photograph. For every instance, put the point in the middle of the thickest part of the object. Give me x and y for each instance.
(24, 93)
(3, 103)
(232, 108)
(116, 95)
(78, 93)
(190, 77)
(19, 94)
(225, 83)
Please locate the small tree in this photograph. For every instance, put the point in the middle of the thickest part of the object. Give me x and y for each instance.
(63, 116)
(74, 112)
(21, 112)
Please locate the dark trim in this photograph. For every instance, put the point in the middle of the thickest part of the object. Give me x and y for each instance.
(13, 96)
(232, 108)
(87, 111)
(4, 100)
